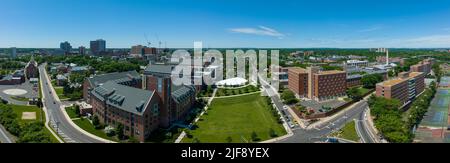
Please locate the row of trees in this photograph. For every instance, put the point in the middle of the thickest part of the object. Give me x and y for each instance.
(390, 120)
(370, 81)
(27, 133)
(288, 97)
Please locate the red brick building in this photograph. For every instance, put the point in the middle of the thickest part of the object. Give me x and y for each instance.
(316, 84)
(31, 69)
(177, 101)
(136, 109)
(298, 81)
(404, 88)
(424, 66)
(130, 78)
(326, 85)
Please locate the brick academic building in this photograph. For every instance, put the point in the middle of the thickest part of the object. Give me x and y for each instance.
(121, 98)
(404, 88)
(317, 85)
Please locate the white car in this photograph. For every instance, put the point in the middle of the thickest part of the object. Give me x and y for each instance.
(291, 125)
(285, 107)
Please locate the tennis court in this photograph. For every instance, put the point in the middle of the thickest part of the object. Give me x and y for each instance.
(437, 115)
(433, 128)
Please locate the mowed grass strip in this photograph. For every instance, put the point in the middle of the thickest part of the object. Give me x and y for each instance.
(348, 132)
(87, 126)
(236, 117)
(40, 117)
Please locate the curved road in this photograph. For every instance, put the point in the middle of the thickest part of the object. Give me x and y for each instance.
(302, 135)
(56, 116)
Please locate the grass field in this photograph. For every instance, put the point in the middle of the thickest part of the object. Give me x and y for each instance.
(89, 127)
(347, 132)
(18, 109)
(59, 91)
(236, 117)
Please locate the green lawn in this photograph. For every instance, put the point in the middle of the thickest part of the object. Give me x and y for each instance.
(236, 117)
(89, 127)
(18, 109)
(71, 112)
(59, 91)
(363, 90)
(20, 98)
(347, 132)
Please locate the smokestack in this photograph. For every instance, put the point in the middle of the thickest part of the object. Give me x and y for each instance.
(387, 57)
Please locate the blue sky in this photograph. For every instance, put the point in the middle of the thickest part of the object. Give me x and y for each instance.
(227, 23)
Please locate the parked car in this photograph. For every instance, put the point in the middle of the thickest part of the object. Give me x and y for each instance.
(291, 125)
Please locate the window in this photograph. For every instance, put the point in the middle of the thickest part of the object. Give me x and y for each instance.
(155, 109)
(159, 85)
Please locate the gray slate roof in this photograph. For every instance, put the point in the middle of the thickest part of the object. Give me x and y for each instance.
(126, 98)
(182, 93)
(163, 69)
(118, 77)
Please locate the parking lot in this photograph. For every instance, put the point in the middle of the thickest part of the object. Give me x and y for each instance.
(318, 107)
(25, 90)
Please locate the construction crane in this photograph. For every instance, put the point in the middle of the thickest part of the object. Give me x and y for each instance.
(148, 42)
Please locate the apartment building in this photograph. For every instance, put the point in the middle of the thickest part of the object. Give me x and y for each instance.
(404, 88)
(129, 78)
(298, 81)
(424, 66)
(136, 109)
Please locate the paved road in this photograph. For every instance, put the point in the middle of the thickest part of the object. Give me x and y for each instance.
(57, 117)
(5, 137)
(362, 126)
(318, 133)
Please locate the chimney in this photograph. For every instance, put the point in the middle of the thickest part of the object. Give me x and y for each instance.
(387, 57)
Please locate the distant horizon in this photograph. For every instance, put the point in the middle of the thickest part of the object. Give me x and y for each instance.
(436, 48)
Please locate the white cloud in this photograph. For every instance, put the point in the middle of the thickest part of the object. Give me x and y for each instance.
(261, 30)
(371, 29)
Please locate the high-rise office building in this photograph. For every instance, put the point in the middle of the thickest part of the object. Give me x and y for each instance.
(13, 52)
(82, 50)
(65, 46)
(98, 46)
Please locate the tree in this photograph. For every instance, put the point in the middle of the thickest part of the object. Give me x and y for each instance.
(289, 97)
(229, 139)
(354, 94)
(120, 131)
(254, 136)
(370, 81)
(133, 140)
(195, 140)
(77, 110)
(96, 122)
(272, 133)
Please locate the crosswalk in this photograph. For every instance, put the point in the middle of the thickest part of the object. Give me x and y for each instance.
(60, 133)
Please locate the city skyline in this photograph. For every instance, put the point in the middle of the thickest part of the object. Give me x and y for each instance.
(227, 24)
